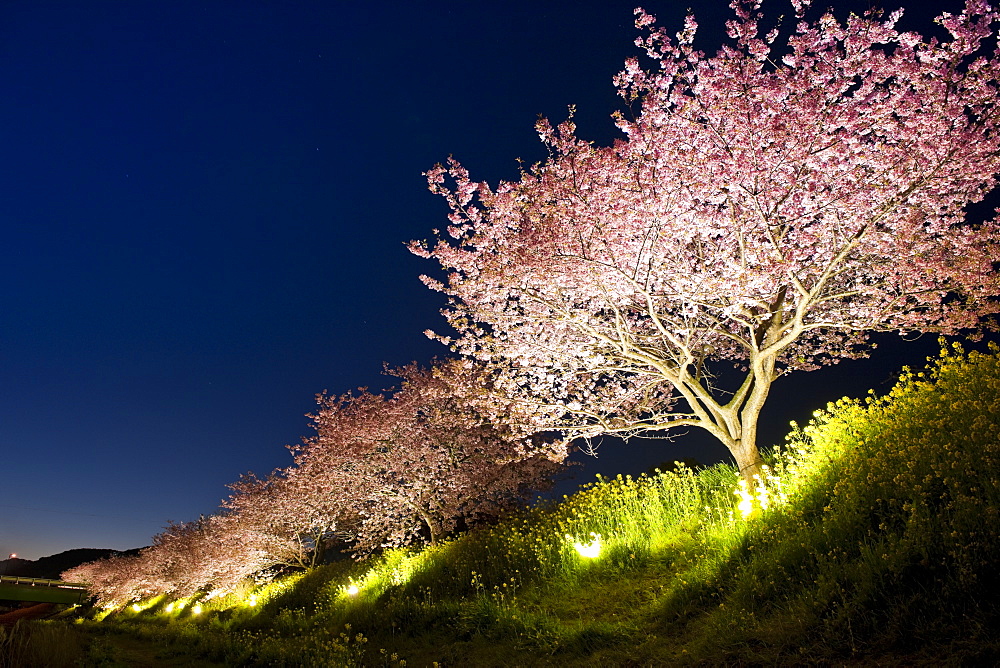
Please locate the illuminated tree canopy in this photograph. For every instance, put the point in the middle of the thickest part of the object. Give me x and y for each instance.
(769, 206)
(410, 466)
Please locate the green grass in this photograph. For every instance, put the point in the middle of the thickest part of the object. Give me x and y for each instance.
(40, 645)
(878, 544)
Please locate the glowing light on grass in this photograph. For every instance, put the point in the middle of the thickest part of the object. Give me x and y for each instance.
(136, 607)
(196, 610)
(350, 589)
(176, 606)
(745, 506)
(252, 600)
(589, 550)
(770, 491)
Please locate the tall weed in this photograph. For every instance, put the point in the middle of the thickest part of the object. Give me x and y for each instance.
(39, 645)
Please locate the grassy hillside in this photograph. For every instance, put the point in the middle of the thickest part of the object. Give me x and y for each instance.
(873, 539)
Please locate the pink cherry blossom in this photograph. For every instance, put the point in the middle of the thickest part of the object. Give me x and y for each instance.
(415, 465)
(769, 206)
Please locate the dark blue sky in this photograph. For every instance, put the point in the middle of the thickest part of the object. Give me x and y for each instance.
(203, 210)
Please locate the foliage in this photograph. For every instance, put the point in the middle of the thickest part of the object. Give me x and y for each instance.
(769, 205)
(409, 467)
(285, 515)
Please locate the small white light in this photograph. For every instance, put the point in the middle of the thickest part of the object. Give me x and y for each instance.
(352, 590)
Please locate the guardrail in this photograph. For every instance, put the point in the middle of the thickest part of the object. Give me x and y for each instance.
(40, 582)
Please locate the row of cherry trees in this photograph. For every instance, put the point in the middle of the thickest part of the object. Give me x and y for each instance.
(768, 207)
(382, 470)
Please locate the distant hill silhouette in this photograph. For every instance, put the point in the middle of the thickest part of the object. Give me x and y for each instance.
(50, 567)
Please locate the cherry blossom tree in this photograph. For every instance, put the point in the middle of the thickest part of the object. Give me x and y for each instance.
(116, 580)
(410, 466)
(209, 554)
(288, 516)
(769, 206)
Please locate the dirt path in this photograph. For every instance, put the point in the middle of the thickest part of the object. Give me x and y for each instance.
(33, 612)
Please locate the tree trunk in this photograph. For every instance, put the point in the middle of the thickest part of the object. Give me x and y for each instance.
(428, 520)
(318, 552)
(758, 385)
(749, 461)
(745, 448)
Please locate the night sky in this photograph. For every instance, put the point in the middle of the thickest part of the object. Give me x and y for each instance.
(203, 211)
